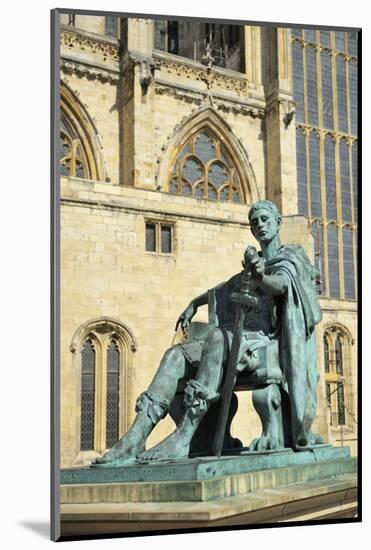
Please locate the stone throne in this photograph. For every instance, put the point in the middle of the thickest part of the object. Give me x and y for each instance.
(269, 399)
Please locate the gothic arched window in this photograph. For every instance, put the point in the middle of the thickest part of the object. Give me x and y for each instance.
(336, 359)
(105, 356)
(87, 395)
(73, 159)
(204, 169)
(80, 147)
(113, 393)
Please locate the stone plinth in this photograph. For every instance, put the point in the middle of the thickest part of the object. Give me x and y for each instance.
(206, 492)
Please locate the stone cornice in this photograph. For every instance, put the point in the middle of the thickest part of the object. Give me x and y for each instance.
(216, 78)
(169, 214)
(91, 72)
(220, 101)
(104, 48)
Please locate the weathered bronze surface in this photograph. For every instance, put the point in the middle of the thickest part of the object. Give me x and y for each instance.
(260, 337)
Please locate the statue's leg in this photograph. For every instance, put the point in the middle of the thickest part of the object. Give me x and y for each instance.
(151, 407)
(267, 403)
(198, 395)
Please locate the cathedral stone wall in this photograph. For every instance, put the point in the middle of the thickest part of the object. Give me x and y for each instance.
(106, 272)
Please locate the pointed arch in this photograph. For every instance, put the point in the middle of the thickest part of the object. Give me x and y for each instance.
(104, 325)
(337, 340)
(102, 393)
(81, 151)
(236, 163)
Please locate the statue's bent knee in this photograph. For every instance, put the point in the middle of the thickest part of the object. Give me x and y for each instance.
(154, 406)
(215, 338)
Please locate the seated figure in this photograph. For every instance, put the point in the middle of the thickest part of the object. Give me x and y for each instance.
(277, 355)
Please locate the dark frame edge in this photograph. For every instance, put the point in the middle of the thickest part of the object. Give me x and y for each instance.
(55, 529)
(279, 24)
(55, 523)
(359, 248)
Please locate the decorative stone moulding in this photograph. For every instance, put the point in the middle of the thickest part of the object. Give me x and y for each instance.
(237, 85)
(105, 48)
(91, 73)
(197, 98)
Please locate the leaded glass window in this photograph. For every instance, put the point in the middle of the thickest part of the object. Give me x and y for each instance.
(336, 346)
(113, 393)
(355, 179)
(160, 35)
(104, 357)
(301, 163)
(346, 206)
(348, 258)
(298, 80)
(296, 33)
(330, 178)
(325, 38)
(339, 355)
(150, 237)
(317, 232)
(327, 355)
(340, 41)
(159, 237)
(87, 395)
(310, 35)
(327, 104)
(312, 92)
(166, 239)
(352, 44)
(204, 169)
(324, 70)
(72, 157)
(341, 407)
(315, 175)
(333, 261)
(342, 95)
(111, 26)
(353, 94)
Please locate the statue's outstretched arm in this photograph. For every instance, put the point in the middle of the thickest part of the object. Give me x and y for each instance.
(190, 311)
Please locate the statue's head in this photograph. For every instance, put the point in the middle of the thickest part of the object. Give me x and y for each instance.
(265, 220)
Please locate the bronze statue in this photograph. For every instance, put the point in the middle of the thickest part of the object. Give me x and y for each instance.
(263, 330)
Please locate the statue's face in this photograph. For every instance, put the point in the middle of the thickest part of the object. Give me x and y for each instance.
(264, 225)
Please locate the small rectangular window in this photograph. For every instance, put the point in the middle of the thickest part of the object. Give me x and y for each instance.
(150, 237)
(159, 237)
(165, 239)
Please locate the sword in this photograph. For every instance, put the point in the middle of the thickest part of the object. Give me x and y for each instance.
(246, 302)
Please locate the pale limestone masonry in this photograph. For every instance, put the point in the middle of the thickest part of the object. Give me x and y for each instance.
(105, 269)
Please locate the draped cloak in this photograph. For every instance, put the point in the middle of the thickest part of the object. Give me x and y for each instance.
(297, 312)
(292, 319)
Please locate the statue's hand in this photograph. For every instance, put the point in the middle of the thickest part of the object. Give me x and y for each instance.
(257, 267)
(244, 299)
(185, 317)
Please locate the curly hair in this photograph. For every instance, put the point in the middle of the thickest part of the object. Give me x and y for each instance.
(267, 205)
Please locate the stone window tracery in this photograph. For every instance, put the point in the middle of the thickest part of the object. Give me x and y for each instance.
(72, 156)
(324, 78)
(336, 359)
(104, 357)
(204, 169)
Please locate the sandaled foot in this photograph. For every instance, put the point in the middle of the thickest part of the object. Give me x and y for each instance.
(124, 451)
(174, 447)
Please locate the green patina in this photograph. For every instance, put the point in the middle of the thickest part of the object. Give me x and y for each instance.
(260, 337)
